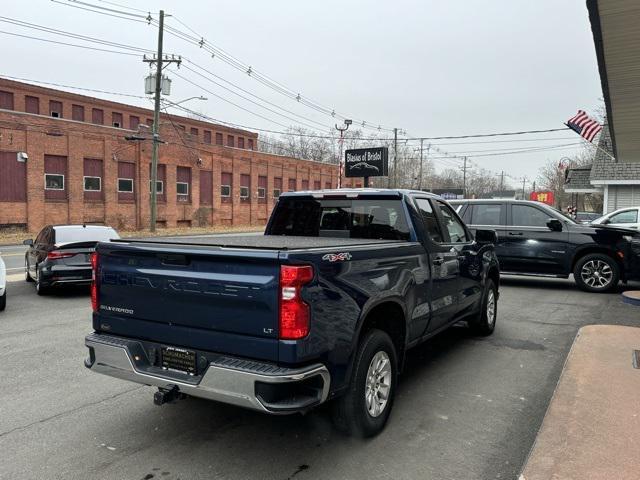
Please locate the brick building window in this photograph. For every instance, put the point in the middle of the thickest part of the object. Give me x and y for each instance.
(77, 113)
(125, 182)
(161, 180)
(32, 104)
(240, 142)
(92, 179)
(183, 184)
(13, 178)
(55, 109)
(194, 132)
(292, 185)
(226, 187)
(262, 189)
(218, 139)
(206, 187)
(230, 141)
(6, 100)
(116, 120)
(277, 187)
(250, 143)
(327, 185)
(55, 172)
(305, 184)
(316, 185)
(133, 122)
(97, 116)
(245, 188)
(206, 136)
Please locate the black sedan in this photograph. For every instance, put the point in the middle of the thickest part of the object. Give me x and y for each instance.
(60, 254)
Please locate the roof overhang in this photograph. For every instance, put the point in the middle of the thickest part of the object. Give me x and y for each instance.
(583, 190)
(616, 37)
(615, 182)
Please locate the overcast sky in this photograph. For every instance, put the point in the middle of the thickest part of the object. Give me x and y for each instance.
(433, 68)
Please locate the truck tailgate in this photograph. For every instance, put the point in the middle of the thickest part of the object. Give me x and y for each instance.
(215, 299)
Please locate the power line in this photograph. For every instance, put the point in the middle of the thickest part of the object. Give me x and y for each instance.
(101, 13)
(95, 49)
(2, 75)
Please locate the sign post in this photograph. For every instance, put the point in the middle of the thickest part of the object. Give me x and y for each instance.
(366, 162)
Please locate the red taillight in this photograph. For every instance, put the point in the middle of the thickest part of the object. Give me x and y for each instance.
(294, 312)
(95, 261)
(57, 254)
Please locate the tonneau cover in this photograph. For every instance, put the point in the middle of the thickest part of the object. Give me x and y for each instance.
(275, 242)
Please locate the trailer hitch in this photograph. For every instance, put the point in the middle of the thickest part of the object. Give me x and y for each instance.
(167, 395)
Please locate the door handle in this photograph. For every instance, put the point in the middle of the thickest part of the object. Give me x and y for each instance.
(515, 234)
(438, 261)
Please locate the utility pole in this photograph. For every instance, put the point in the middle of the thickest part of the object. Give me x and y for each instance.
(341, 141)
(395, 158)
(524, 181)
(501, 175)
(159, 61)
(421, 159)
(464, 177)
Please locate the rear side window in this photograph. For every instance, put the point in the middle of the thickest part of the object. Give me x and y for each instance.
(371, 219)
(486, 214)
(528, 216)
(628, 216)
(453, 226)
(429, 220)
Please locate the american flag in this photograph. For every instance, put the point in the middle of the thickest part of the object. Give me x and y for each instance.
(584, 125)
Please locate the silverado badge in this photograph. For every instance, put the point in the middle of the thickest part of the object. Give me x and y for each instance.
(337, 257)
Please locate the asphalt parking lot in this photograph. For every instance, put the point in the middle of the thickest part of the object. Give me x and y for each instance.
(467, 408)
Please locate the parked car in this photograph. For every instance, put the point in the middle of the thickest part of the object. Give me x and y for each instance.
(586, 217)
(623, 217)
(322, 307)
(3, 285)
(535, 239)
(60, 255)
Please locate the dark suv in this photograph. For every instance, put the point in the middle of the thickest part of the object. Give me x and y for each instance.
(535, 239)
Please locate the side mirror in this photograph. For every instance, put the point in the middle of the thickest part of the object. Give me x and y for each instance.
(29, 242)
(554, 225)
(486, 236)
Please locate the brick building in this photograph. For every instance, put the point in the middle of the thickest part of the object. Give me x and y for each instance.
(64, 159)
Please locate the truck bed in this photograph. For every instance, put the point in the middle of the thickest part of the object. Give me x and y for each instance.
(269, 242)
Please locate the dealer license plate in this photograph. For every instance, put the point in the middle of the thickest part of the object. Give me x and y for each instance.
(179, 359)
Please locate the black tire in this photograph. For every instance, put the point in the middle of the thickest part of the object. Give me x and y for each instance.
(597, 272)
(40, 288)
(350, 412)
(485, 322)
(27, 275)
(3, 301)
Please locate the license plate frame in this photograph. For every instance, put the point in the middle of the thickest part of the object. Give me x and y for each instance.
(177, 359)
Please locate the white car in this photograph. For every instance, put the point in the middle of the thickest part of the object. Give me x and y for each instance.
(3, 285)
(623, 217)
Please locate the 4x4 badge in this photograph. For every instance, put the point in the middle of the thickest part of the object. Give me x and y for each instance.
(337, 257)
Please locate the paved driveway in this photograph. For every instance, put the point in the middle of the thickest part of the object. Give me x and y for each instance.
(467, 408)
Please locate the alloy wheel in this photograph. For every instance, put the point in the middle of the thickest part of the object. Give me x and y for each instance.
(378, 384)
(596, 274)
(491, 307)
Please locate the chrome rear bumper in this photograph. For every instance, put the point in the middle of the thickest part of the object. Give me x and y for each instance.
(227, 379)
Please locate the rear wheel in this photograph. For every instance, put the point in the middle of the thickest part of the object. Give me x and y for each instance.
(485, 322)
(3, 301)
(27, 275)
(40, 288)
(596, 272)
(365, 408)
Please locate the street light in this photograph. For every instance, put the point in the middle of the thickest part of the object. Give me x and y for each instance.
(347, 122)
(200, 97)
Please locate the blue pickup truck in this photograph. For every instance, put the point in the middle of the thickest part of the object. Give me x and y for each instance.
(322, 307)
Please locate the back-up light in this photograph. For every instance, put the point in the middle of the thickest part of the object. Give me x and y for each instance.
(294, 312)
(95, 263)
(57, 255)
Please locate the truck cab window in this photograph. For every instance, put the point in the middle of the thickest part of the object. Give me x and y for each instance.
(453, 226)
(372, 219)
(429, 220)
